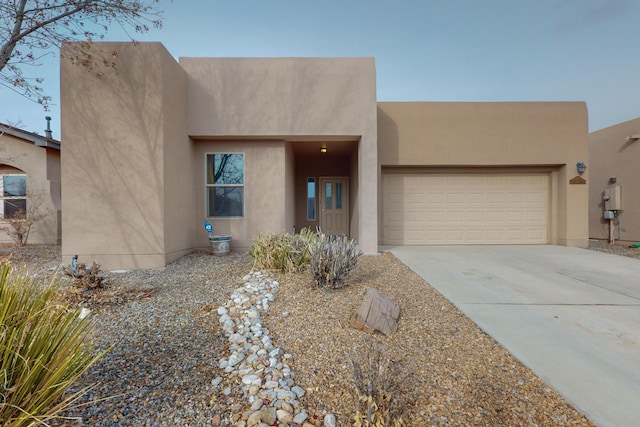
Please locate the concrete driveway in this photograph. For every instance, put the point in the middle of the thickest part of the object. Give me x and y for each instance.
(571, 315)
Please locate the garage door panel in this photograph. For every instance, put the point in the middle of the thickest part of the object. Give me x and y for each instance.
(465, 208)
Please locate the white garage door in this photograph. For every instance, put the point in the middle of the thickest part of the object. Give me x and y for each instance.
(426, 209)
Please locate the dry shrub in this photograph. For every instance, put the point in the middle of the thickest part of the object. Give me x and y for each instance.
(333, 257)
(85, 277)
(382, 388)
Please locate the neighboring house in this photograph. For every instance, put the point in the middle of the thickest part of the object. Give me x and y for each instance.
(615, 172)
(154, 147)
(30, 183)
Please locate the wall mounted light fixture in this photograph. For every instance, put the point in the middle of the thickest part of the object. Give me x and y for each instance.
(323, 149)
(581, 167)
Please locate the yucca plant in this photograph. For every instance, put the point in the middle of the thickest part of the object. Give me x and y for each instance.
(43, 351)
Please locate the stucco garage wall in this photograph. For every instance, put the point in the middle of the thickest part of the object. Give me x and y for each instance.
(288, 98)
(123, 182)
(540, 135)
(613, 155)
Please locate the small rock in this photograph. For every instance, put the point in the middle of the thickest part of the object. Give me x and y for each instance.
(271, 384)
(299, 391)
(235, 358)
(287, 407)
(329, 420)
(255, 418)
(216, 381)
(284, 416)
(268, 416)
(301, 417)
(257, 405)
(216, 420)
(248, 379)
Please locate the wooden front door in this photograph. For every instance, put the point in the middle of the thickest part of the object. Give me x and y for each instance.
(334, 205)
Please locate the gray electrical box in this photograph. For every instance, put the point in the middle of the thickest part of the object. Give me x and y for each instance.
(612, 198)
(608, 215)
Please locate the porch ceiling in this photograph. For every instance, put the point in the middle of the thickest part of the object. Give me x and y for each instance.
(334, 148)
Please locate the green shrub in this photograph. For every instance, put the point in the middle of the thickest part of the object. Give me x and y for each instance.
(332, 259)
(42, 351)
(285, 252)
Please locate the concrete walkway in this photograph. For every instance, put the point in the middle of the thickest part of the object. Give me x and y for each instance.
(571, 315)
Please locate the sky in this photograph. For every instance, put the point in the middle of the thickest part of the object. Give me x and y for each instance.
(424, 50)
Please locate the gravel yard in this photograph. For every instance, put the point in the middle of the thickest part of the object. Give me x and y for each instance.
(163, 327)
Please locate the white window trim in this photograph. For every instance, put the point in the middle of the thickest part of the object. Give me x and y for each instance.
(207, 185)
(3, 198)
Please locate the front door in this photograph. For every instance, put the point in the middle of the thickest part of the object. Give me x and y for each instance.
(334, 205)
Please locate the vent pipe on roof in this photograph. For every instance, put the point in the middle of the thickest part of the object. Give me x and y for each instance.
(47, 131)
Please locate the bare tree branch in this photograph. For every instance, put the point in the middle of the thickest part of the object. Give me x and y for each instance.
(31, 29)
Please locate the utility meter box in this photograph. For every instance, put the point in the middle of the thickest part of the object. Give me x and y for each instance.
(612, 198)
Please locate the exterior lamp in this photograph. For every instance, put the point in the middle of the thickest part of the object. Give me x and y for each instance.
(323, 149)
(581, 167)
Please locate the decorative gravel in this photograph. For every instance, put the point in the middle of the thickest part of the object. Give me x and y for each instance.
(166, 349)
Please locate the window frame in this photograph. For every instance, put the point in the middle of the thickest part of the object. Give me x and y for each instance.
(207, 186)
(3, 198)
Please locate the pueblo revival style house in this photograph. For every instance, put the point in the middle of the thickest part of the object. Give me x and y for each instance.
(156, 146)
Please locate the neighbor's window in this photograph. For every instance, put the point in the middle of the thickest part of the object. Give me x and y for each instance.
(14, 195)
(311, 199)
(225, 184)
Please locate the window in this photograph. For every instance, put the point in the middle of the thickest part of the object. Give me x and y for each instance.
(14, 195)
(328, 200)
(311, 199)
(225, 184)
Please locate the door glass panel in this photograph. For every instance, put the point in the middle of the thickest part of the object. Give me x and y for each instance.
(328, 197)
(338, 195)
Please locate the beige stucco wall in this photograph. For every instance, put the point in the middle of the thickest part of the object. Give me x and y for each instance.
(542, 135)
(613, 155)
(285, 98)
(264, 190)
(42, 167)
(122, 159)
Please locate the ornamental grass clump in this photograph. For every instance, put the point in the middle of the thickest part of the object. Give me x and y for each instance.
(333, 257)
(43, 351)
(283, 251)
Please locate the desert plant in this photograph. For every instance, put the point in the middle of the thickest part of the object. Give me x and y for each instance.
(332, 259)
(86, 277)
(42, 351)
(283, 251)
(381, 386)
